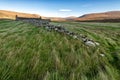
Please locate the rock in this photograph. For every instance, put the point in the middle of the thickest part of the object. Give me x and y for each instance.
(66, 32)
(102, 55)
(97, 43)
(84, 39)
(47, 27)
(75, 37)
(56, 29)
(84, 36)
(90, 43)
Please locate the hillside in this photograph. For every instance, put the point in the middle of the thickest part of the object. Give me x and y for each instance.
(112, 15)
(31, 53)
(55, 18)
(11, 15)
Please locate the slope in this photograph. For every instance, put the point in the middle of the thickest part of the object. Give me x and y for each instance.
(31, 53)
(11, 14)
(112, 15)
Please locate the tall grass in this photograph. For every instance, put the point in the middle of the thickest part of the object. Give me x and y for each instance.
(31, 53)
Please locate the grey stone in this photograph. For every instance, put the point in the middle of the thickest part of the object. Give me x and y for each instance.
(102, 55)
(97, 43)
(90, 43)
(75, 37)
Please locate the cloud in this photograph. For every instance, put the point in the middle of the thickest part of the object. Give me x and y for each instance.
(65, 10)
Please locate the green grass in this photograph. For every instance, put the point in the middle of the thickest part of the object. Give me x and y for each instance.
(31, 53)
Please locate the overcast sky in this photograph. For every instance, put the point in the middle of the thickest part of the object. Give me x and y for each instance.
(60, 8)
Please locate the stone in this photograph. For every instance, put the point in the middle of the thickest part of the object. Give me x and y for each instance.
(97, 43)
(75, 37)
(102, 55)
(56, 29)
(84, 36)
(84, 40)
(90, 43)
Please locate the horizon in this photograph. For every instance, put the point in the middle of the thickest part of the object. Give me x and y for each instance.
(63, 8)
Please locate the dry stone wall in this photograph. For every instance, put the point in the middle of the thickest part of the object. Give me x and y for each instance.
(74, 35)
(45, 23)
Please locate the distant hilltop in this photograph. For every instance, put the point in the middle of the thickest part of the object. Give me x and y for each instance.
(12, 15)
(105, 16)
(111, 16)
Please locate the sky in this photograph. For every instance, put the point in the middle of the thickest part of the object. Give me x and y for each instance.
(60, 8)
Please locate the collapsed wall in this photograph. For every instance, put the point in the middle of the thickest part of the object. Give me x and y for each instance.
(45, 23)
(81, 37)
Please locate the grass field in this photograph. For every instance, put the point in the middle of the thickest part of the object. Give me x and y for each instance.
(31, 53)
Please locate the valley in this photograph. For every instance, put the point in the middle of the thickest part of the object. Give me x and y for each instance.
(29, 52)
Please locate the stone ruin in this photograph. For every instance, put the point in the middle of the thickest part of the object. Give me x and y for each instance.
(36, 21)
(58, 28)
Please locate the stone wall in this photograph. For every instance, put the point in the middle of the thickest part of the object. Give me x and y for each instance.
(81, 37)
(58, 28)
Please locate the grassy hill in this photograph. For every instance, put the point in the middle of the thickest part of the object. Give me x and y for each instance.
(111, 16)
(4, 14)
(31, 53)
(12, 15)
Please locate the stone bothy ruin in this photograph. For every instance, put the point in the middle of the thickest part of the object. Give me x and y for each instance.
(36, 21)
